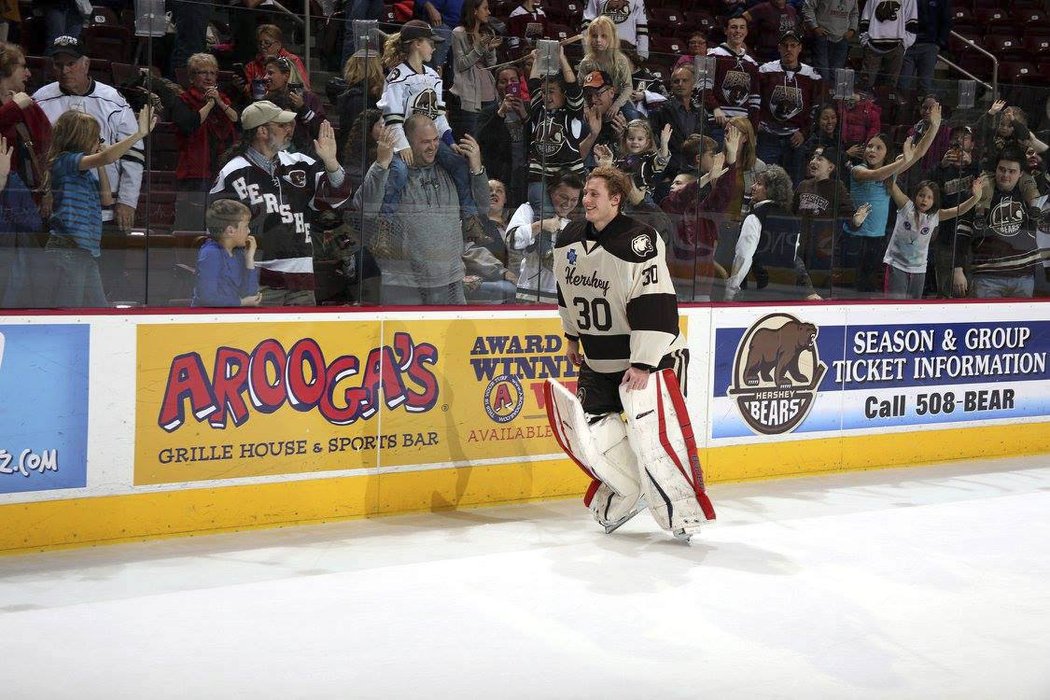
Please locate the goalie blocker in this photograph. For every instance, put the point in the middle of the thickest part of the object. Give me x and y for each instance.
(649, 460)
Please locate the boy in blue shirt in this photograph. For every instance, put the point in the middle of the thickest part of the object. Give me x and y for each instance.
(226, 272)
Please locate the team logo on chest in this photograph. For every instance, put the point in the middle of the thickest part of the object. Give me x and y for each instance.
(426, 103)
(550, 138)
(617, 10)
(785, 103)
(736, 86)
(1006, 218)
(297, 178)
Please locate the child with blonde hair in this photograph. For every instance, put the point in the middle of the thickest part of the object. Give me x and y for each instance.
(601, 46)
(77, 179)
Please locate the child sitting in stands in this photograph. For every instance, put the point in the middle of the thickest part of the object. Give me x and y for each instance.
(226, 272)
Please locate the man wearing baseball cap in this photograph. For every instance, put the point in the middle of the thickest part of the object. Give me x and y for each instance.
(788, 92)
(75, 89)
(284, 191)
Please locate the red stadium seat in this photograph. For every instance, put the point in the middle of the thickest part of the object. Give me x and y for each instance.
(1025, 17)
(663, 21)
(1004, 46)
(102, 15)
(1037, 48)
(993, 18)
(1014, 72)
(106, 42)
(560, 32)
(700, 21)
(666, 48)
(963, 20)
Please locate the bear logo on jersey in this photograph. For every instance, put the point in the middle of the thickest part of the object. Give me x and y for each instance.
(642, 246)
(887, 11)
(550, 138)
(736, 87)
(617, 10)
(785, 102)
(426, 102)
(1006, 218)
(297, 178)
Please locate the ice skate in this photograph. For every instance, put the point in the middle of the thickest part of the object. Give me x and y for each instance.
(611, 527)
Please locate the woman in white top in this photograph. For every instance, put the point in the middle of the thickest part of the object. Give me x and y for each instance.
(916, 226)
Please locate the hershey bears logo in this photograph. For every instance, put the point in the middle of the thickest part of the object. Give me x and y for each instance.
(297, 178)
(550, 138)
(642, 246)
(616, 10)
(736, 87)
(426, 102)
(1007, 217)
(504, 398)
(785, 102)
(888, 10)
(776, 372)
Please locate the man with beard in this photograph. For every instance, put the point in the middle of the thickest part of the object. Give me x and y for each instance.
(789, 91)
(998, 239)
(280, 187)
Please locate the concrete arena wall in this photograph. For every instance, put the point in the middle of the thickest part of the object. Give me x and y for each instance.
(118, 427)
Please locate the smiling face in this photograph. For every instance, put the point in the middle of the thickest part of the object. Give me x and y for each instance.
(598, 206)
(736, 31)
(601, 98)
(553, 96)
(565, 199)
(424, 142)
(482, 13)
(828, 121)
(637, 140)
(204, 76)
(276, 79)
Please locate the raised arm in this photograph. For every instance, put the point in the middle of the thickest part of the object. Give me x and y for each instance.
(976, 189)
(899, 198)
(112, 153)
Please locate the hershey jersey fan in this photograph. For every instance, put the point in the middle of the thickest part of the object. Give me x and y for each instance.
(617, 303)
(283, 190)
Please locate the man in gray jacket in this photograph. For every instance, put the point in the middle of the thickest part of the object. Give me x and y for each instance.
(420, 248)
(833, 23)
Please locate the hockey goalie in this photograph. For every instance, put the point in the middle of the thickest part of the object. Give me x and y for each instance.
(627, 427)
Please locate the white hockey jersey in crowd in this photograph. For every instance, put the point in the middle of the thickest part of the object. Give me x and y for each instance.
(406, 93)
(117, 122)
(536, 283)
(632, 24)
(615, 294)
(885, 23)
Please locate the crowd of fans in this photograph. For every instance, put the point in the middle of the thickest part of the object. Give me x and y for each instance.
(443, 163)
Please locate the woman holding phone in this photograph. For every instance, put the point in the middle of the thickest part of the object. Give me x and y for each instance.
(474, 45)
(285, 90)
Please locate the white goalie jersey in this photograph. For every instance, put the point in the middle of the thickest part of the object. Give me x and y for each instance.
(406, 93)
(615, 294)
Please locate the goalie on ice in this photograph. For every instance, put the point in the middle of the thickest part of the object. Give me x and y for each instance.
(620, 316)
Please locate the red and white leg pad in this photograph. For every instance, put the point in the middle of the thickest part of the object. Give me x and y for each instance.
(661, 436)
(600, 449)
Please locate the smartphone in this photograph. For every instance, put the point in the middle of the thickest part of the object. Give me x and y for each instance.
(296, 89)
(514, 88)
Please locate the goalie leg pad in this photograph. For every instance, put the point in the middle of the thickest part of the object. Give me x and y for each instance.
(661, 436)
(600, 448)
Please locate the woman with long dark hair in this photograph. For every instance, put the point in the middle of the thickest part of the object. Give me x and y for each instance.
(474, 44)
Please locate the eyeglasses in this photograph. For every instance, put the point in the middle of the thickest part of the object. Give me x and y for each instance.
(205, 72)
(267, 43)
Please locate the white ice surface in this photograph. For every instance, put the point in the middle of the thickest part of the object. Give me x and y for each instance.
(929, 582)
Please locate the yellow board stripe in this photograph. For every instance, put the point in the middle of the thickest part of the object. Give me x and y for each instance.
(81, 521)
